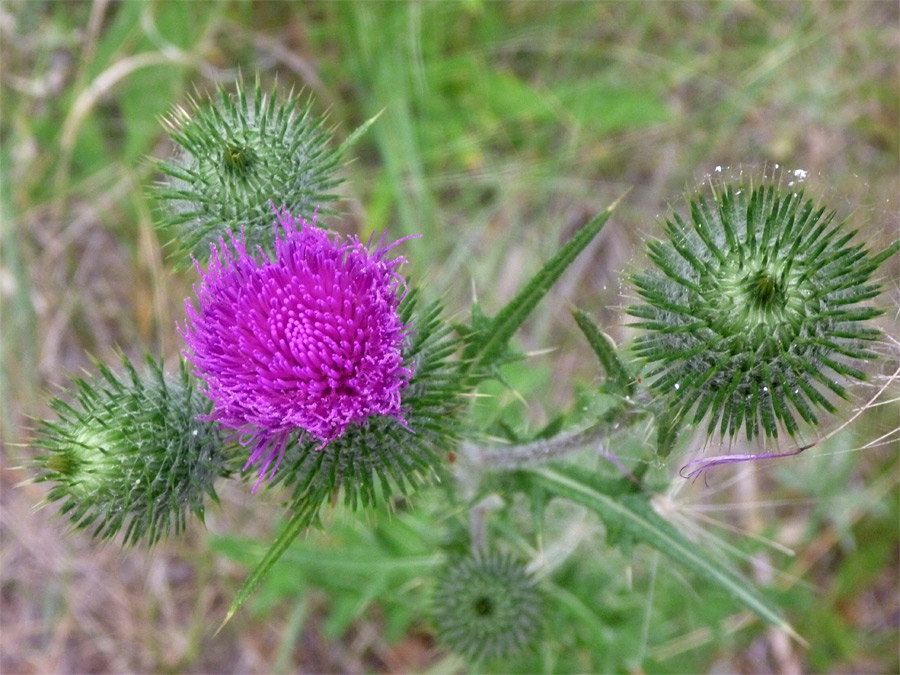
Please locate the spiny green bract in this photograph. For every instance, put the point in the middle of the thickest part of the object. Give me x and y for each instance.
(382, 457)
(752, 314)
(486, 606)
(129, 453)
(236, 157)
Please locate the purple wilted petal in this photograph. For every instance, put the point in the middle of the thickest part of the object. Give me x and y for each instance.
(698, 467)
(310, 341)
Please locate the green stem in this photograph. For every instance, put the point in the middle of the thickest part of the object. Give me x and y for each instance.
(518, 456)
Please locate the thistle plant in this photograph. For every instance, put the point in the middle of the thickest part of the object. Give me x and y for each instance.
(319, 324)
(234, 156)
(752, 312)
(486, 607)
(132, 453)
(316, 364)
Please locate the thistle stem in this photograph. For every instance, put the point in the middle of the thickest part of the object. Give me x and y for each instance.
(517, 456)
(512, 457)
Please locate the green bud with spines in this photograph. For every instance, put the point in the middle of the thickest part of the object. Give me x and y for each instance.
(751, 313)
(487, 607)
(129, 454)
(237, 155)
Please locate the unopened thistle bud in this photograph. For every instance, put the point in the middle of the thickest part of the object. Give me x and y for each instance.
(752, 315)
(129, 453)
(235, 154)
(486, 606)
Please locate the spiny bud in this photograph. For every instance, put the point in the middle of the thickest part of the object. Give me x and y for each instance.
(486, 607)
(752, 313)
(129, 453)
(235, 156)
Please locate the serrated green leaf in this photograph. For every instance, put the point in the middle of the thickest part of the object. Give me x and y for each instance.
(668, 424)
(617, 370)
(485, 345)
(634, 515)
(301, 519)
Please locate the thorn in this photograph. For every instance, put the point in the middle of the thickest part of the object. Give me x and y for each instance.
(231, 614)
(612, 207)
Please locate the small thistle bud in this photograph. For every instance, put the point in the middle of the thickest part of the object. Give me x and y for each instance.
(308, 342)
(130, 454)
(235, 155)
(486, 607)
(752, 314)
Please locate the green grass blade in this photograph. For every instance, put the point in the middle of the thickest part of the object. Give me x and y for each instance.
(489, 343)
(633, 514)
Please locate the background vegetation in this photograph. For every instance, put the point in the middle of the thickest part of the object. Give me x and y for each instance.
(505, 126)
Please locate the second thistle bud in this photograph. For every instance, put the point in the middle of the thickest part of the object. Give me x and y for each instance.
(236, 154)
(752, 310)
(129, 454)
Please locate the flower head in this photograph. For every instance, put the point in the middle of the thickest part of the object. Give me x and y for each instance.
(382, 459)
(752, 313)
(310, 341)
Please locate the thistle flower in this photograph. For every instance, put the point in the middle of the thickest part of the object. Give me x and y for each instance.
(486, 607)
(752, 314)
(383, 455)
(234, 154)
(130, 452)
(310, 341)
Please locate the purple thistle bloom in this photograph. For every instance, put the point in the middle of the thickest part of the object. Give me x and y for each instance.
(309, 342)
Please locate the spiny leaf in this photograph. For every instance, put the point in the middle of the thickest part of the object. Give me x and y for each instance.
(617, 370)
(634, 515)
(301, 519)
(485, 345)
(358, 132)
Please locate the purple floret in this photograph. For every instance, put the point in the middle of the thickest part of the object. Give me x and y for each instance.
(309, 342)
